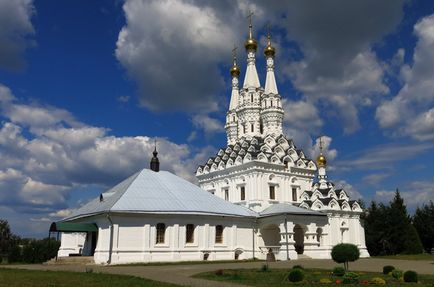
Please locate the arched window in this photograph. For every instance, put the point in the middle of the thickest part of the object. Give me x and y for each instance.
(243, 192)
(226, 194)
(219, 234)
(251, 98)
(294, 194)
(252, 127)
(244, 128)
(161, 231)
(272, 192)
(189, 233)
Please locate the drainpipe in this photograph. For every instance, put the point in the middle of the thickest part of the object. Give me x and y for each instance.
(253, 237)
(111, 239)
(286, 235)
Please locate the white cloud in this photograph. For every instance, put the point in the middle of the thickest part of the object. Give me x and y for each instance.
(352, 192)
(15, 30)
(383, 156)
(415, 194)
(410, 112)
(48, 155)
(208, 124)
(375, 178)
(172, 50)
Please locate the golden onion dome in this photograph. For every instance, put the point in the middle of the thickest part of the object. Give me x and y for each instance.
(251, 44)
(235, 71)
(321, 160)
(269, 50)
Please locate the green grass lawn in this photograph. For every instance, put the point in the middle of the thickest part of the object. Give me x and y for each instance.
(278, 278)
(424, 256)
(33, 278)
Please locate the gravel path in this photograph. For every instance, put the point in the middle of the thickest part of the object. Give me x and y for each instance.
(180, 274)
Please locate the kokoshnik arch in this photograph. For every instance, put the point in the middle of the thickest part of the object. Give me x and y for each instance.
(257, 196)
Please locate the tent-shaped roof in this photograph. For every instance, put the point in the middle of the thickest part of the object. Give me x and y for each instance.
(285, 208)
(160, 192)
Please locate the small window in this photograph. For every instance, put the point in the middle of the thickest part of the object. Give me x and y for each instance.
(252, 127)
(219, 234)
(294, 194)
(233, 118)
(243, 193)
(244, 129)
(251, 98)
(161, 230)
(272, 192)
(227, 194)
(261, 128)
(189, 235)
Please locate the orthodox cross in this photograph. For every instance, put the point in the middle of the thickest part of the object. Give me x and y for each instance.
(234, 53)
(250, 17)
(320, 143)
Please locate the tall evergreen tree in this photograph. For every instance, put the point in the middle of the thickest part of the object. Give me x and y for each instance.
(423, 221)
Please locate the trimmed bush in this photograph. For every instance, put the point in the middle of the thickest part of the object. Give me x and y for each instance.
(387, 269)
(264, 267)
(219, 272)
(378, 281)
(298, 267)
(344, 253)
(350, 278)
(397, 274)
(296, 275)
(410, 276)
(338, 271)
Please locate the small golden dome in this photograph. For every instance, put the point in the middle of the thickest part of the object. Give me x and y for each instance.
(251, 44)
(235, 71)
(269, 50)
(321, 160)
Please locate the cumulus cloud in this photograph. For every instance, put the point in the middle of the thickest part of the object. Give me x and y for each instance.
(48, 154)
(384, 156)
(410, 112)
(415, 194)
(209, 125)
(172, 50)
(15, 32)
(352, 192)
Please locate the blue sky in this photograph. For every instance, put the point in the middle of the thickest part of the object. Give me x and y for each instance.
(86, 87)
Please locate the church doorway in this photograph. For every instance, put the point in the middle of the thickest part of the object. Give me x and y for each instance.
(299, 239)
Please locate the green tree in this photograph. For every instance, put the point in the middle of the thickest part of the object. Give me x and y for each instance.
(344, 253)
(6, 239)
(423, 221)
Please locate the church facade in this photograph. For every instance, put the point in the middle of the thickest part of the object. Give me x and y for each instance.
(258, 197)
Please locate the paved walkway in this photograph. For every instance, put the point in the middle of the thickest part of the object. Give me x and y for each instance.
(181, 274)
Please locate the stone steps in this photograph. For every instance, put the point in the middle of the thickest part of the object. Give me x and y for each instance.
(72, 260)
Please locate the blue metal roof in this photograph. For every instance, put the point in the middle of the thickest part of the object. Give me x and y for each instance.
(160, 192)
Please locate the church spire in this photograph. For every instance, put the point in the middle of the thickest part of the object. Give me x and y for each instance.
(269, 51)
(235, 73)
(155, 163)
(321, 162)
(251, 79)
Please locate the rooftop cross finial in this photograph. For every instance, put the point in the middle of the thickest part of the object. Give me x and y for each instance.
(269, 33)
(320, 144)
(234, 54)
(155, 163)
(250, 24)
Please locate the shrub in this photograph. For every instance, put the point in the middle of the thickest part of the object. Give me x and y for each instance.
(219, 272)
(264, 267)
(89, 270)
(296, 275)
(325, 281)
(410, 276)
(397, 274)
(298, 267)
(350, 278)
(338, 271)
(378, 281)
(344, 253)
(387, 269)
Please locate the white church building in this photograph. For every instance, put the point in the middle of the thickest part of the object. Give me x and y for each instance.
(258, 197)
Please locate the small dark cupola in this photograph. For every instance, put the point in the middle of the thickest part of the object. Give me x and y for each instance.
(155, 163)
